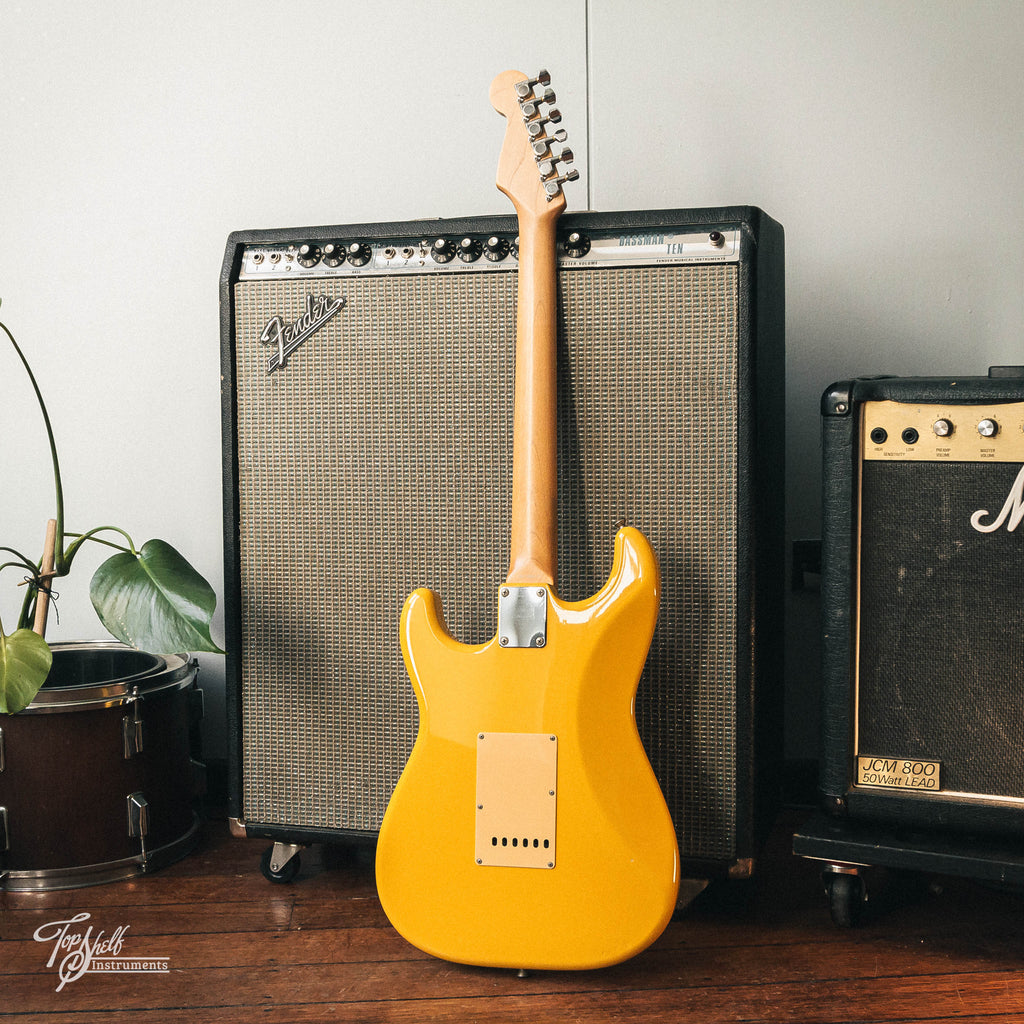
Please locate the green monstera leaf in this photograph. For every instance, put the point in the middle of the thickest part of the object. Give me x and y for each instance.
(25, 659)
(154, 600)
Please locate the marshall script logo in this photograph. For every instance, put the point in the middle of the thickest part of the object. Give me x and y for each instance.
(1011, 513)
(286, 338)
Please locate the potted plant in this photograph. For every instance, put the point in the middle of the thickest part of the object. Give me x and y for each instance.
(96, 739)
(148, 597)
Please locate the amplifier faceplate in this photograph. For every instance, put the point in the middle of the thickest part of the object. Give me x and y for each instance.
(378, 459)
(479, 252)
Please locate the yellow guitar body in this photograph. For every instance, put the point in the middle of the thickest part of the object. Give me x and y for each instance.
(528, 829)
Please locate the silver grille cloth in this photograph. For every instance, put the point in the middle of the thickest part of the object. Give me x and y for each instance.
(379, 460)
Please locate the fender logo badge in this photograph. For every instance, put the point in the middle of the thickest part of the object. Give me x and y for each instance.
(286, 338)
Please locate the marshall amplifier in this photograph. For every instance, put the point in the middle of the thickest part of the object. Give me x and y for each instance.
(367, 396)
(922, 561)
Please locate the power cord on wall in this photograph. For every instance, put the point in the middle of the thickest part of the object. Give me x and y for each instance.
(590, 127)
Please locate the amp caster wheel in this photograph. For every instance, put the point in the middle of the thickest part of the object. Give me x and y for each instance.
(847, 895)
(280, 863)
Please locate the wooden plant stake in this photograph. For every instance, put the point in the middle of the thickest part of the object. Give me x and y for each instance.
(45, 578)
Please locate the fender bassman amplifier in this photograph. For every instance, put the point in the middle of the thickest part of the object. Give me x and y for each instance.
(367, 386)
(923, 620)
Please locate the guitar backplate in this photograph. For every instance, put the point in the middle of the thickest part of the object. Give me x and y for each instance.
(516, 796)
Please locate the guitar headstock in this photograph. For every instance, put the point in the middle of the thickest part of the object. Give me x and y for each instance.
(531, 169)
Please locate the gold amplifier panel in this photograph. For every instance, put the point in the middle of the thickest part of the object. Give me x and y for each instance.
(905, 432)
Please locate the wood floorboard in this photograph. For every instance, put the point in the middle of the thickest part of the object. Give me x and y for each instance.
(238, 948)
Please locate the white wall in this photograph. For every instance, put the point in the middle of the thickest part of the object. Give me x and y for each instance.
(135, 135)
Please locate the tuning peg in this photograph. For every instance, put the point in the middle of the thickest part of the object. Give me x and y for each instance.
(523, 89)
(553, 186)
(542, 143)
(535, 128)
(531, 107)
(549, 166)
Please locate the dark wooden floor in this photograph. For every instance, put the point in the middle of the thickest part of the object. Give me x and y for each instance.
(239, 948)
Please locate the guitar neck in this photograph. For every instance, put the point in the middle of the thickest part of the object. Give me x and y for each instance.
(534, 538)
(529, 174)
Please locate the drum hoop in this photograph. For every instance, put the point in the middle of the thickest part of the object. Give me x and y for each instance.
(99, 874)
(172, 672)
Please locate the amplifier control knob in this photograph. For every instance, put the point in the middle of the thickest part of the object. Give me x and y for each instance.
(496, 248)
(358, 254)
(576, 245)
(942, 428)
(308, 254)
(988, 428)
(442, 250)
(469, 250)
(333, 254)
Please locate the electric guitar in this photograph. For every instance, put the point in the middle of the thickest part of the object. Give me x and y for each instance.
(528, 829)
